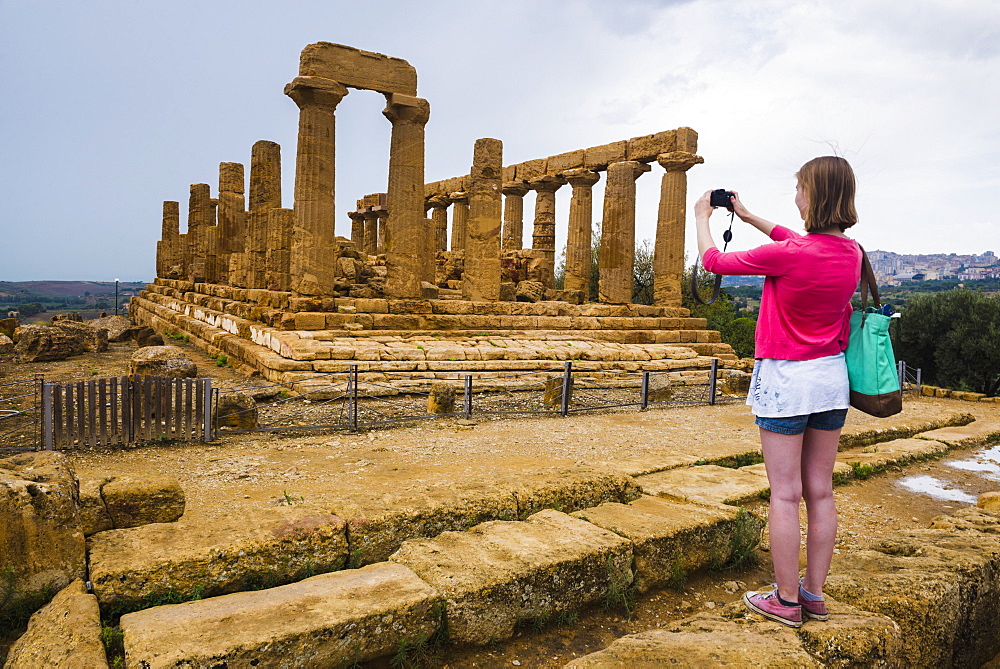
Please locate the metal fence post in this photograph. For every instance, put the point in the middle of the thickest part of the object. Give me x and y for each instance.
(467, 397)
(567, 385)
(207, 403)
(901, 373)
(644, 393)
(918, 379)
(352, 410)
(45, 421)
(712, 378)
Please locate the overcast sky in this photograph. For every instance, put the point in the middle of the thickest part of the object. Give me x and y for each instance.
(109, 108)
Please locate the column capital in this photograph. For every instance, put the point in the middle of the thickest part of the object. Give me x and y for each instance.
(369, 214)
(678, 161)
(315, 91)
(637, 168)
(518, 188)
(581, 178)
(356, 216)
(439, 201)
(546, 183)
(458, 196)
(401, 108)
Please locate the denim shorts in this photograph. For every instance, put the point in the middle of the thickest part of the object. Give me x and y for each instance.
(823, 420)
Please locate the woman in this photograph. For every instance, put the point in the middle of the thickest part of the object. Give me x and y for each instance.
(799, 391)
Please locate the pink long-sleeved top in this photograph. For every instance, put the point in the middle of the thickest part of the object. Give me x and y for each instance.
(805, 309)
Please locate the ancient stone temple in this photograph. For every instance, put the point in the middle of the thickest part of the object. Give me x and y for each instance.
(413, 286)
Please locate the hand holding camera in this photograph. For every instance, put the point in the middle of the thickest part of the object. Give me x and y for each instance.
(720, 198)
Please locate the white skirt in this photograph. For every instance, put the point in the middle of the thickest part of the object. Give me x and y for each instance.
(782, 388)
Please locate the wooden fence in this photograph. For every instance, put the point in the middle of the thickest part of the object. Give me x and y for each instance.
(124, 410)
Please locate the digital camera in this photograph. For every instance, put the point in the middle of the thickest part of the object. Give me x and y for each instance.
(720, 198)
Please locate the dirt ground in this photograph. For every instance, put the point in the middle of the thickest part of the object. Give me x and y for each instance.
(393, 466)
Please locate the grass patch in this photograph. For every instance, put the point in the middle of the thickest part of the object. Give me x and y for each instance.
(114, 648)
(737, 548)
(16, 606)
(861, 471)
(622, 586)
(678, 575)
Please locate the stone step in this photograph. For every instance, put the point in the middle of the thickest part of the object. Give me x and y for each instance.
(501, 573)
(672, 539)
(881, 456)
(332, 620)
(973, 435)
(706, 484)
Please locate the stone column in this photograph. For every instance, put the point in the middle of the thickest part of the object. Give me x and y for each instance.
(313, 245)
(212, 260)
(408, 260)
(200, 218)
(383, 218)
(439, 215)
(481, 275)
(578, 238)
(543, 237)
(459, 219)
(358, 226)
(370, 239)
(617, 256)
(668, 249)
(167, 247)
(513, 215)
(280, 223)
(265, 194)
(231, 215)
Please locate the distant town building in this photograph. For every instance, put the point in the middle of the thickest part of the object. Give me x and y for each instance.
(894, 268)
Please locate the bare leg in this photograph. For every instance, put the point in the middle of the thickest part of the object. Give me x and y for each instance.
(783, 461)
(819, 454)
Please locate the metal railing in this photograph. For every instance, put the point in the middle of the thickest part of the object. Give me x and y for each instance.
(19, 414)
(909, 377)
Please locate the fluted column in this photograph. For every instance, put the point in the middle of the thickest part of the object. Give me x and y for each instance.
(481, 275)
(668, 248)
(439, 216)
(313, 244)
(166, 248)
(543, 237)
(408, 257)
(280, 223)
(200, 217)
(459, 219)
(578, 238)
(265, 194)
(513, 215)
(358, 226)
(383, 218)
(231, 217)
(617, 256)
(370, 238)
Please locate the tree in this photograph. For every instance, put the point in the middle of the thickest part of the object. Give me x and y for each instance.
(642, 272)
(954, 337)
(739, 333)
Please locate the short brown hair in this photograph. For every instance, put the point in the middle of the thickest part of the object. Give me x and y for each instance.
(829, 185)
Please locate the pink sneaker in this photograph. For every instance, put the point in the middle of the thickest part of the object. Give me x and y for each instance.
(768, 605)
(812, 608)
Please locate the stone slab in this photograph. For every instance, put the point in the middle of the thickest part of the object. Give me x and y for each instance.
(895, 452)
(129, 567)
(501, 572)
(706, 484)
(973, 435)
(332, 620)
(671, 539)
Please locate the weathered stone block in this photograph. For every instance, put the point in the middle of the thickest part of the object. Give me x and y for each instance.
(237, 410)
(339, 619)
(530, 169)
(310, 320)
(441, 399)
(39, 343)
(564, 161)
(66, 632)
(357, 68)
(140, 499)
(502, 572)
(41, 539)
(162, 361)
(599, 157)
(645, 149)
(706, 484)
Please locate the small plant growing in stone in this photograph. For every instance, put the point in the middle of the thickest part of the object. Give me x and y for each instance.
(112, 638)
(862, 471)
(678, 575)
(621, 592)
(411, 653)
(567, 618)
(221, 360)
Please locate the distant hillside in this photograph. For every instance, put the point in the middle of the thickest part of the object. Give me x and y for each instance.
(64, 288)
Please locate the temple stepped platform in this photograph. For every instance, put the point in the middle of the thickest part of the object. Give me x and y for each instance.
(287, 338)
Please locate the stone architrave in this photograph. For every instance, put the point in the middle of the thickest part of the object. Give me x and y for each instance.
(357, 227)
(231, 216)
(314, 243)
(383, 218)
(481, 275)
(265, 194)
(578, 239)
(668, 249)
(459, 219)
(409, 250)
(280, 223)
(513, 215)
(167, 248)
(200, 218)
(543, 237)
(617, 256)
(439, 215)
(370, 239)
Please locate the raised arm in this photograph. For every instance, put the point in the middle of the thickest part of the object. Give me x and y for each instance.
(761, 224)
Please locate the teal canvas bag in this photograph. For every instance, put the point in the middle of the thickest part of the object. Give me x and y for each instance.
(871, 365)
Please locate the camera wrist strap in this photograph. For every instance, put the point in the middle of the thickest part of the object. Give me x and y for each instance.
(727, 237)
